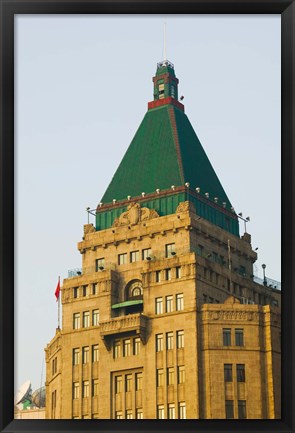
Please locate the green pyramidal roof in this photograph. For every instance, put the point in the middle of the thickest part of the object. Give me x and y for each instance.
(165, 151)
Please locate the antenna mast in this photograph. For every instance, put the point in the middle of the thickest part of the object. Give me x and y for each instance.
(165, 56)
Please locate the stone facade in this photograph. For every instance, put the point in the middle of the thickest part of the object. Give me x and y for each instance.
(154, 326)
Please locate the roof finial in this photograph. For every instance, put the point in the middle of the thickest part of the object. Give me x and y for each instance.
(165, 57)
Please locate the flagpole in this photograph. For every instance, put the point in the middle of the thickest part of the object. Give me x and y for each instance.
(58, 325)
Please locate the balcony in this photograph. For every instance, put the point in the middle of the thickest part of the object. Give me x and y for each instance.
(130, 324)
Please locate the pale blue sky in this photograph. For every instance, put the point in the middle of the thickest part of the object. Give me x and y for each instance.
(82, 88)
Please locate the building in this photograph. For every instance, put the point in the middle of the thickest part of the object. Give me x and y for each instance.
(165, 319)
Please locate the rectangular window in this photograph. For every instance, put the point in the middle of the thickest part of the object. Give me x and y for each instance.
(119, 415)
(76, 354)
(180, 339)
(182, 410)
(181, 374)
(241, 372)
(242, 409)
(168, 274)
(159, 305)
(139, 414)
(138, 381)
(99, 264)
(95, 317)
(94, 387)
(160, 377)
(159, 343)
(76, 292)
(229, 409)
(239, 334)
(76, 320)
(122, 259)
(84, 290)
(136, 346)
(169, 340)
(85, 389)
(160, 411)
(118, 384)
(228, 373)
(179, 302)
(54, 366)
(171, 411)
(76, 393)
(128, 383)
(134, 256)
(169, 304)
(95, 353)
(94, 288)
(129, 414)
(127, 347)
(170, 376)
(117, 349)
(147, 252)
(226, 337)
(86, 319)
(158, 276)
(170, 250)
(178, 272)
(85, 355)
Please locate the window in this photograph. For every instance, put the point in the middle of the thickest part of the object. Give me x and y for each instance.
(180, 339)
(86, 319)
(76, 393)
(119, 415)
(169, 340)
(168, 274)
(129, 414)
(159, 343)
(178, 272)
(161, 91)
(94, 288)
(53, 402)
(239, 334)
(94, 387)
(228, 373)
(171, 411)
(242, 409)
(84, 290)
(170, 376)
(118, 384)
(139, 414)
(128, 383)
(172, 91)
(159, 305)
(76, 354)
(181, 374)
(226, 336)
(136, 291)
(160, 377)
(85, 392)
(241, 372)
(170, 250)
(169, 304)
(76, 292)
(147, 252)
(99, 264)
(200, 249)
(138, 381)
(76, 320)
(182, 410)
(85, 355)
(127, 347)
(160, 411)
(95, 353)
(122, 259)
(117, 349)
(134, 256)
(158, 276)
(54, 366)
(179, 301)
(95, 317)
(229, 409)
(136, 346)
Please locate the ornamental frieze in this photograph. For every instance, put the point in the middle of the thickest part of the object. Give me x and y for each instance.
(231, 315)
(185, 206)
(134, 215)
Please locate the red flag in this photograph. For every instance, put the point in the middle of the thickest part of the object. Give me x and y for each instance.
(57, 290)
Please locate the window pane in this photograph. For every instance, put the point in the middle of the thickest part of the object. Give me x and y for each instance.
(76, 352)
(85, 355)
(159, 305)
(226, 337)
(169, 304)
(179, 302)
(229, 409)
(242, 409)
(160, 377)
(241, 372)
(95, 317)
(117, 349)
(160, 412)
(118, 384)
(169, 340)
(180, 339)
(181, 374)
(182, 410)
(170, 376)
(138, 381)
(86, 319)
(128, 383)
(228, 373)
(95, 353)
(99, 264)
(239, 333)
(122, 259)
(94, 387)
(159, 343)
(171, 411)
(170, 250)
(134, 256)
(147, 252)
(126, 347)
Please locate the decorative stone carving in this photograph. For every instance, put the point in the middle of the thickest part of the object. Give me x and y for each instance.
(135, 214)
(89, 228)
(185, 206)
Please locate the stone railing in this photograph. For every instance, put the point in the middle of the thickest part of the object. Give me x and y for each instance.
(117, 325)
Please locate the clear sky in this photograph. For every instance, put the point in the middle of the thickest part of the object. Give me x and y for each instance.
(82, 88)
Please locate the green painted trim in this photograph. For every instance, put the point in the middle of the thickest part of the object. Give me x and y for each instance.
(127, 304)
